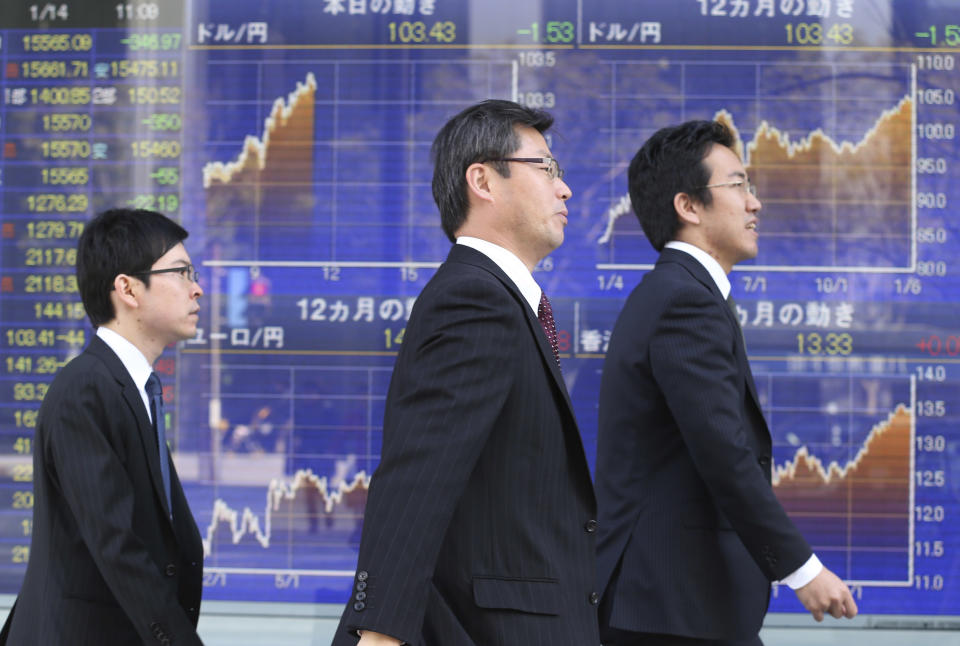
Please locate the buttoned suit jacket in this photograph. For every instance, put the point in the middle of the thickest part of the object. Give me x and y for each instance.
(107, 565)
(691, 533)
(479, 526)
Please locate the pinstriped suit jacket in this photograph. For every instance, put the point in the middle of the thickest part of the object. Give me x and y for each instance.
(476, 528)
(107, 566)
(691, 533)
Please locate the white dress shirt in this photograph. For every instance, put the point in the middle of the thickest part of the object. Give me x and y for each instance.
(512, 266)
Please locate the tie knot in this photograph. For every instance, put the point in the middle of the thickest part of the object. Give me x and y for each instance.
(153, 387)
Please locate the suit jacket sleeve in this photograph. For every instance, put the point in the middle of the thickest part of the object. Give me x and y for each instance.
(449, 386)
(693, 358)
(93, 481)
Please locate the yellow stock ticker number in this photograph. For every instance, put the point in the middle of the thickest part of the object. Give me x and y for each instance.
(830, 344)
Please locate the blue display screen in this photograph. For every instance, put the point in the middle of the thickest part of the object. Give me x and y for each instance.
(293, 141)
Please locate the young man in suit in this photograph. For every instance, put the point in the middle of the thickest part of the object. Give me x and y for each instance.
(691, 534)
(115, 555)
(479, 526)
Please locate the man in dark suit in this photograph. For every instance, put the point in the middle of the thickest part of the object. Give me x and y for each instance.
(479, 527)
(115, 555)
(691, 534)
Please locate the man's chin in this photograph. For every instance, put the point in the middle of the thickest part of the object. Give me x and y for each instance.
(558, 240)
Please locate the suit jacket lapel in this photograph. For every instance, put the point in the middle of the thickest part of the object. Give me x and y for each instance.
(131, 395)
(700, 272)
(462, 253)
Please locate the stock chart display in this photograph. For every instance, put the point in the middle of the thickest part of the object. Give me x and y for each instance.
(292, 140)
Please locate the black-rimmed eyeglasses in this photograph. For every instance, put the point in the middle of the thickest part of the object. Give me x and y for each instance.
(552, 168)
(743, 184)
(186, 272)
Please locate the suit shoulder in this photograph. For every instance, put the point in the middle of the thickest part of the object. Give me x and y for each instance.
(674, 274)
(457, 271)
(667, 285)
(86, 364)
(466, 283)
(83, 373)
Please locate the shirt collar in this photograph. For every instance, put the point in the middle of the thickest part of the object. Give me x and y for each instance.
(512, 266)
(132, 359)
(709, 263)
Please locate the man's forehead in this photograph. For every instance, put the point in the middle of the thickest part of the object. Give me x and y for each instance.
(722, 160)
(176, 253)
(532, 139)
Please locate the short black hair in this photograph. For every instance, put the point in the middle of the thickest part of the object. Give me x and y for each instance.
(120, 241)
(481, 133)
(671, 162)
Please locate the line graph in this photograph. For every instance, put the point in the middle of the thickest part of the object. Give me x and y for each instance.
(849, 487)
(842, 469)
(829, 203)
(266, 192)
(281, 488)
(287, 134)
(293, 509)
(888, 440)
(340, 160)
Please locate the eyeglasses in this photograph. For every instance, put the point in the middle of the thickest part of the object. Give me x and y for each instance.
(187, 272)
(552, 169)
(743, 184)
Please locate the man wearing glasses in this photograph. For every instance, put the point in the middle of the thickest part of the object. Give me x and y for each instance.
(115, 555)
(480, 523)
(691, 534)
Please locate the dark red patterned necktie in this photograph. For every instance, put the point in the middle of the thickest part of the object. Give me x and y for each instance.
(545, 315)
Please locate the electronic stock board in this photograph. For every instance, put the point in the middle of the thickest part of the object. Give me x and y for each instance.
(292, 140)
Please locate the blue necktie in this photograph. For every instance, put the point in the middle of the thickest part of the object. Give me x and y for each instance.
(155, 391)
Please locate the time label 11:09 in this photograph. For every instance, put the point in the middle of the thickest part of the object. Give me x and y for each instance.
(415, 31)
(51, 11)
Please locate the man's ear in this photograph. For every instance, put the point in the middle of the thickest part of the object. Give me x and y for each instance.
(688, 209)
(479, 178)
(127, 289)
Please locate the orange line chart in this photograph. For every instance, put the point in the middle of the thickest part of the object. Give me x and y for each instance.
(844, 459)
(861, 510)
(270, 181)
(830, 202)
